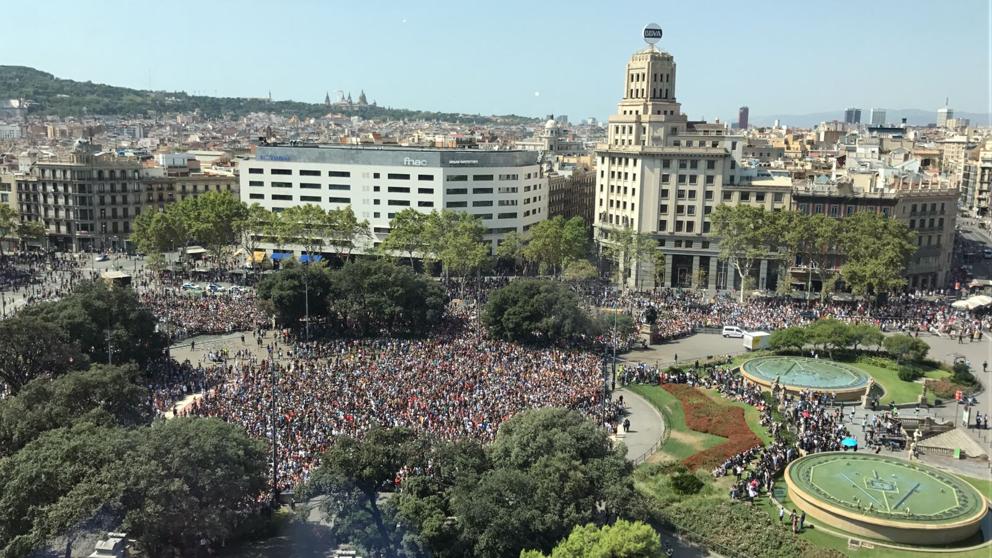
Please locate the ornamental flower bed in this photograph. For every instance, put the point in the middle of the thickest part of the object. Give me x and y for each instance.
(703, 414)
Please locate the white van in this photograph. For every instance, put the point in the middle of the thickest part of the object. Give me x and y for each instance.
(733, 331)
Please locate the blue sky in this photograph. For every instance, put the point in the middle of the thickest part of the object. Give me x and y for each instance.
(524, 57)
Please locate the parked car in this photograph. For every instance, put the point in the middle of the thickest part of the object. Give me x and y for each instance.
(191, 287)
(733, 331)
(102, 258)
(987, 253)
(215, 288)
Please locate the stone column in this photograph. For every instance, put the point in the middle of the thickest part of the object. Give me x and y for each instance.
(762, 274)
(667, 279)
(714, 261)
(695, 272)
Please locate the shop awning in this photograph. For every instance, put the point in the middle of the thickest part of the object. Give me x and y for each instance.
(258, 256)
(277, 256)
(307, 258)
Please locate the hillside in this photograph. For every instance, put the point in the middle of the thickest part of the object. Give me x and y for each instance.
(65, 97)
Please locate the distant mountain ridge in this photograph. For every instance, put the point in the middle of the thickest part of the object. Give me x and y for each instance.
(914, 117)
(65, 97)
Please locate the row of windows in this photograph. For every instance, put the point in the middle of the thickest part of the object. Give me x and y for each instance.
(303, 185)
(289, 197)
(304, 172)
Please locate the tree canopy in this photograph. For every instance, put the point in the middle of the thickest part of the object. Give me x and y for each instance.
(536, 311)
(623, 539)
(34, 348)
(288, 292)
(95, 314)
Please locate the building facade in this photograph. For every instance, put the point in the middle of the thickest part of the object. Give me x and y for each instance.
(506, 190)
(852, 116)
(742, 114)
(661, 174)
(572, 195)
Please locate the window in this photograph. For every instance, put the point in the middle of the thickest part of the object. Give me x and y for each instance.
(340, 174)
(666, 178)
(282, 185)
(482, 190)
(305, 172)
(398, 176)
(457, 191)
(340, 200)
(692, 179)
(402, 203)
(425, 190)
(728, 196)
(457, 178)
(664, 193)
(310, 199)
(338, 187)
(682, 163)
(759, 196)
(425, 204)
(666, 163)
(663, 209)
(711, 164)
(709, 180)
(778, 197)
(706, 229)
(482, 203)
(375, 175)
(692, 194)
(912, 223)
(694, 164)
(309, 186)
(376, 189)
(250, 183)
(708, 195)
(457, 204)
(745, 196)
(282, 197)
(281, 171)
(506, 215)
(662, 225)
(690, 226)
(482, 177)
(255, 171)
(425, 177)
(681, 194)
(256, 196)
(398, 189)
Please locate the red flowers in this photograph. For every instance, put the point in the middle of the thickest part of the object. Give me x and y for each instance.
(703, 414)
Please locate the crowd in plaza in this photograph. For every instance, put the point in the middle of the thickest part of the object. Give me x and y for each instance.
(456, 384)
(30, 277)
(185, 314)
(682, 312)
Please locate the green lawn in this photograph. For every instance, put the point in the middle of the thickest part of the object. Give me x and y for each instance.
(983, 485)
(681, 442)
(896, 389)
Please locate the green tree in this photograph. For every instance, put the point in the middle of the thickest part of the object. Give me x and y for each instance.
(553, 242)
(251, 228)
(160, 231)
(104, 395)
(213, 219)
(627, 248)
(579, 270)
(353, 472)
(288, 292)
(906, 348)
(747, 235)
(345, 231)
(369, 296)
(623, 539)
(8, 223)
(97, 316)
(60, 480)
(830, 334)
(819, 239)
(511, 248)
(455, 240)
(33, 348)
(535, 311)
(30, 230)
(794, 338)
(864, 335)
(312, 226)
(406, 234)
(876, 251)
(191, 478)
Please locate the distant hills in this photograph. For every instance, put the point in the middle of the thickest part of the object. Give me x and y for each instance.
(65, 97)
(914, 117)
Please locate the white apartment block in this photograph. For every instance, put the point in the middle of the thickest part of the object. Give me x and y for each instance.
(504, 189)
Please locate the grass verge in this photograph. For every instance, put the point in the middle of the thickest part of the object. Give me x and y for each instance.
(681, 441)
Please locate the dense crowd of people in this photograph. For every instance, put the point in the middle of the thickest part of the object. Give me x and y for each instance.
(30, 277)
(456, 384)
(183, 314)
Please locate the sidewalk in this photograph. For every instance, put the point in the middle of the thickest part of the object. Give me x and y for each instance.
(647, 427)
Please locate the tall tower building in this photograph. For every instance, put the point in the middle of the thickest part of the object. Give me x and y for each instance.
(877, 117)
(661, 175)
(944, 114)
(742, 118)
(852, 116)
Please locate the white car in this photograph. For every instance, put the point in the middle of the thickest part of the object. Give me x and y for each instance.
(191, 287)
(102, 258)
(733, 331)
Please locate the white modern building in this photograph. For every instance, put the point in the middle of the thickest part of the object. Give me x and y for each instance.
(505, 189)
(877, 117)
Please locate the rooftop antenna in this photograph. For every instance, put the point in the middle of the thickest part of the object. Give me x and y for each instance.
(652, 34)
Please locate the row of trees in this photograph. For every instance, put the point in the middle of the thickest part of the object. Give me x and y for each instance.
(361, 298)
(874, 248)
(547, 472)
(834, 335)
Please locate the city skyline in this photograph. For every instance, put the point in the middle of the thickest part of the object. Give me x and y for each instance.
(549, 60)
